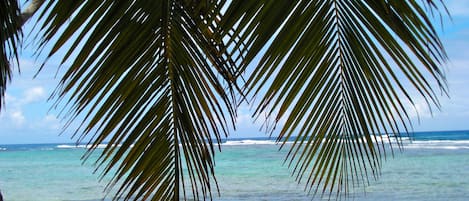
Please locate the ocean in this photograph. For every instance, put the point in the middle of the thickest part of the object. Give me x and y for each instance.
(435, 166)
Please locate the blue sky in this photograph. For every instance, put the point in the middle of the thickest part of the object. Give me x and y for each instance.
(28, 117)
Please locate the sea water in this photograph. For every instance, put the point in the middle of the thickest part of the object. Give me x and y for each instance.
(435, 166)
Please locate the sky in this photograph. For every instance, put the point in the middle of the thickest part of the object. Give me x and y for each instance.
(28, 116)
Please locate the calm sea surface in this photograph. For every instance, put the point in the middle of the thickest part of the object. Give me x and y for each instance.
(434, 167)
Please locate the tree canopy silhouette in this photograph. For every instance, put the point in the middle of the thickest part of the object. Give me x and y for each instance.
(163, 79)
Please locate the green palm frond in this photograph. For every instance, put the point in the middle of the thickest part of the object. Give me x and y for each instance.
(9, 36)
(157, 78)
(151, 77)
(336, 70)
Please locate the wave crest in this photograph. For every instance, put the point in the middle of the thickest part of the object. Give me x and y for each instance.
(81, 146)
(249, 142)
(438, 144)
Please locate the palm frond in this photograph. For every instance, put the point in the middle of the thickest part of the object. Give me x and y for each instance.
(150, 76)
(337, 71)
(10, 34)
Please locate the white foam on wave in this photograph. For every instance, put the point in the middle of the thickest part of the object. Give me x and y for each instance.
(414, 144)
(460, 142)
(81, 146)
(249, 142)
(64, 146)
(406, 142)
(3, 149)
(438, 144)
(379, 139)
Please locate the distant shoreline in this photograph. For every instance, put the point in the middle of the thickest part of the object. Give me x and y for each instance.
(416, 134)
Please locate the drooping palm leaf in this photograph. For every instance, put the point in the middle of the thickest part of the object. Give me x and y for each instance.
(151, 77)
(336, 70)
(9, 36)
(148, 73)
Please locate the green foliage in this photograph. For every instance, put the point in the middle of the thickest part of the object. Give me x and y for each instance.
(9, 37)
(162, 80)
(330, 68)
(148, 73)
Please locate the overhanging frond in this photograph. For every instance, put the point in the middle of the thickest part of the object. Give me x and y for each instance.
(339, 72)
(152, 77)
(9, 36)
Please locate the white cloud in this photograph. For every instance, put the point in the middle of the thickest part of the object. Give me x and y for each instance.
(50, 121)
(248, 126)
(9, 98)
(34, 94)
(13, 115)
(422, 109)
(17, 118)
(245, 119)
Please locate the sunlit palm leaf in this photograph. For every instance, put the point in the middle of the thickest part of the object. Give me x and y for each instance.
(336, 71)
(152, 77)
(9, 38)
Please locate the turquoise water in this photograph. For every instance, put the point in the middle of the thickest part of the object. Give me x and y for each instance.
(434, 167)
